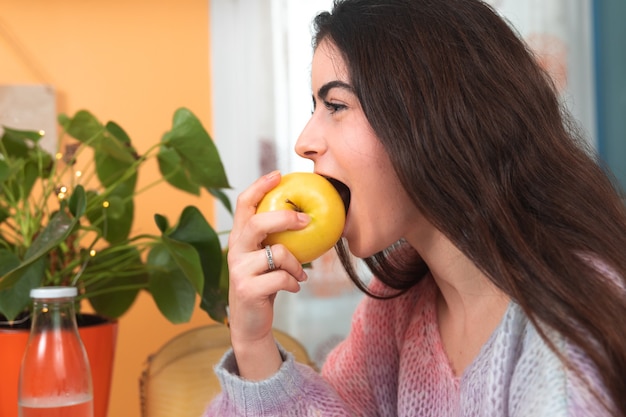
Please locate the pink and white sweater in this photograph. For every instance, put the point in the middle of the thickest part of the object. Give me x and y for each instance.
(393, 364)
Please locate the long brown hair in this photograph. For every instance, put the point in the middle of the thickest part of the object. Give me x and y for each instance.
(480, 141)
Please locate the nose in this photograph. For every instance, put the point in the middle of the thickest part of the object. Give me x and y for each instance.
(310, 143)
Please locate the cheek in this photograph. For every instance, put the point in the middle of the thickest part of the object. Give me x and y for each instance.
(381, 214)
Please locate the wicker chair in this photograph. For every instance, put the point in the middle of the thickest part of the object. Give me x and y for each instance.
(178, 380)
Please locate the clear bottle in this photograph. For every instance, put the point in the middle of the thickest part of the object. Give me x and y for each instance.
(55, 378)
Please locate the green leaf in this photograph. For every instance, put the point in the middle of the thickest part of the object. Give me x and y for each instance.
(63, 119)
(195, 230)
(187, 260)
(117, 131)
(196, 149)
(115, 158)
(23, 162)
(111, 169)
(118, 224)
(21, 144)
(5, 171)
(192, 228)
(16, 146)
(215, 300)
(29, 175)
(222, 197)
(57, 230)
(83, 126)
(173, 294)
(224, 275)
(116, 169)
(16, 299)
(214, 304)
(161, 222)
(115, 210)
(78, 202)
(86, 128)
(32, 135)
(171, 168)
(119, 273)
(177, 266)
(4, 214)
(116, 220)
(112, 147)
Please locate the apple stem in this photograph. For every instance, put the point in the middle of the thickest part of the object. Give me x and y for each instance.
(295, 206)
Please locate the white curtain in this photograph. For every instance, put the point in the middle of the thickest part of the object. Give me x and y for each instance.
(561, 34)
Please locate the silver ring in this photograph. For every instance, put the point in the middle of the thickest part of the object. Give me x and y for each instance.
(270, 259)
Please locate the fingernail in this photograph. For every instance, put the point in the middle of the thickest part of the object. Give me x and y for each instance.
(303, 276)
(304, 218)
(272, 175)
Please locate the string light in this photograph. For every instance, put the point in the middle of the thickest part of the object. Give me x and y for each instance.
(61, 192)
(92, 253)
(105, 204)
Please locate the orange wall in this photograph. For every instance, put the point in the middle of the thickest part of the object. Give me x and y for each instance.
(134, 62)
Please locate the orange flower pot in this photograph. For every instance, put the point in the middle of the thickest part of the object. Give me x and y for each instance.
(99, 340)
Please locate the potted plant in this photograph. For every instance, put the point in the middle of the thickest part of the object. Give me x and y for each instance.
(66, 219)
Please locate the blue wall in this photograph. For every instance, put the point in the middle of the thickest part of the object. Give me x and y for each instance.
(610, 50)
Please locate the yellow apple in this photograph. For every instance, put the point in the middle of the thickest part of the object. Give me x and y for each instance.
(314, 195)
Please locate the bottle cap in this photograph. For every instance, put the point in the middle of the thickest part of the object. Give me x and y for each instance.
(53, 292)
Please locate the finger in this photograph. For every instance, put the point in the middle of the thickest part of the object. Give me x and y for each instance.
(252, 282)
(281, 280)
(269, 257)
(251, 297)
(278, 257)
(255, 293)
(259, 226)
(251, 268)
(248, 200)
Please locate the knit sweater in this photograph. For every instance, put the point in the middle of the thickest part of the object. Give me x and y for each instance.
(393, 364)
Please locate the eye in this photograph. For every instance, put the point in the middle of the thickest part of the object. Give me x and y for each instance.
(334, 107)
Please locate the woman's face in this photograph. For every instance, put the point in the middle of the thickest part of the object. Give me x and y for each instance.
(340, 141)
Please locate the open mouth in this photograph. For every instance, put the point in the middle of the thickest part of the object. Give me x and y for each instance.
(343, 190)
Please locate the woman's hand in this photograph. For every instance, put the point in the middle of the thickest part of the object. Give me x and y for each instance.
(253, 286)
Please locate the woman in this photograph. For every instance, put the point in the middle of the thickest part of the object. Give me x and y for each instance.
(497, 242)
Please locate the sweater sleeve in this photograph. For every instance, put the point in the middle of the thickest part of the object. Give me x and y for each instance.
(296, 389)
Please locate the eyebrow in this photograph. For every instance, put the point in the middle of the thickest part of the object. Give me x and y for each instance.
(323, 90)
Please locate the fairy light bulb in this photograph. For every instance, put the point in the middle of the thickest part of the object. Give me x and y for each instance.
(61, 191)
